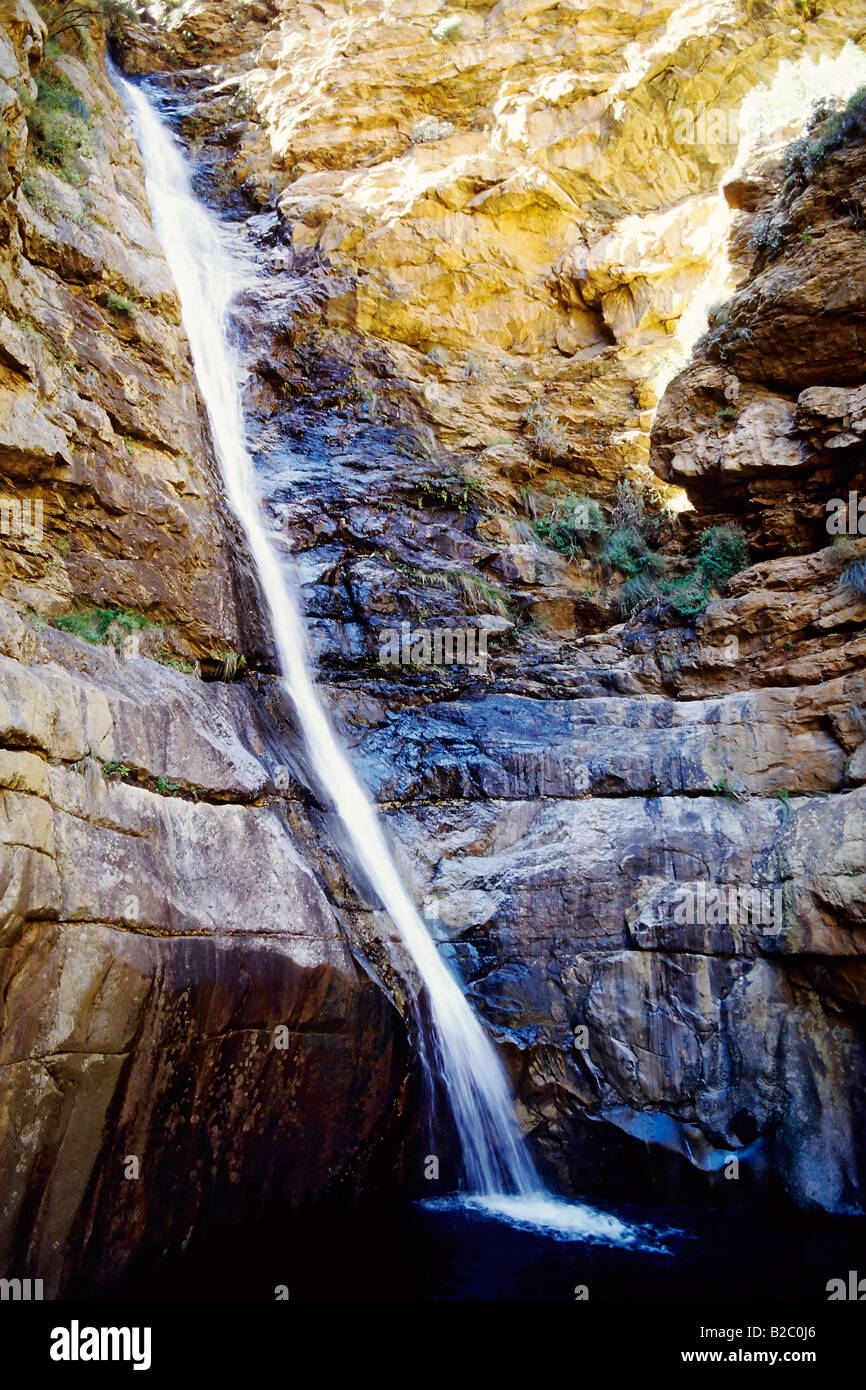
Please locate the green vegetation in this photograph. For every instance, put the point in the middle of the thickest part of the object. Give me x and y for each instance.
(481, 593)
(189, 668)
(830, 129)
(40, 197)
(166, 788)
(119, 304)
(453, 488)
(723, 553)
(546, 438)
(575, 525)
(102, 625)
(725, 788)
(628, 542)
(230, 665)
(112, 768)
(60, 125)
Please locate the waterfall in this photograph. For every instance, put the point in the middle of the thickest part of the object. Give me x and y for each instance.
(495, 1159)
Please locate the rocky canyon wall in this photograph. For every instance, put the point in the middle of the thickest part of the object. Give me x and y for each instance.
(481, 242)
(186, 1036)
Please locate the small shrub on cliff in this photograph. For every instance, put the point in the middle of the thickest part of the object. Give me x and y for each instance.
(60, 126)
(40, 197)
(119, 304)
(626, 550)
(640, 506)
(546, 438)
(574, 526)
(829, 130)
(723, 553)
(102, 625)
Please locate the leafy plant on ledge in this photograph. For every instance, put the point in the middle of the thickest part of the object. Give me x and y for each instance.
(102, 625)
(723, 553)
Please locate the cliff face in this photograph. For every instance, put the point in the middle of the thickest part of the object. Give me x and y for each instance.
(182, 1018)
(515, 191)
(476, 244)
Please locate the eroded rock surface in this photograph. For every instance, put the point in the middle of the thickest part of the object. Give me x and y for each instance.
(187, 1037)
(452, 231)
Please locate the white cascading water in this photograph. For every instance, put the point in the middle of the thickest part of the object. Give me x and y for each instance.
(499, 1172)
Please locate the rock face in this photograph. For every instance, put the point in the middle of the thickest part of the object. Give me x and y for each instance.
(637, 834)
(182, 1016)
(521, 200)
(769, 421)
(99, 418)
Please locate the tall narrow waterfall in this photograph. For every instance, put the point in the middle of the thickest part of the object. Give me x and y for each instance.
(207, 277)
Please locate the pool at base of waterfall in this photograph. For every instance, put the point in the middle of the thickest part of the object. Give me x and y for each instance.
(457, 1248)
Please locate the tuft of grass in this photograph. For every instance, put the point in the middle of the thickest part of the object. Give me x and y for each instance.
(230, 665)
(546, 438)
(725, 788)
(627, 551)
(119, 304)
(481, 593)
(102, 625)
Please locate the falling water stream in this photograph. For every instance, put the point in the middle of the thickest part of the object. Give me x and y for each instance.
(500, 1175)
